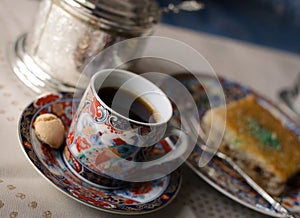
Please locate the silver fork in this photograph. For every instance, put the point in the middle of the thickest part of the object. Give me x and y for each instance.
(201, 135)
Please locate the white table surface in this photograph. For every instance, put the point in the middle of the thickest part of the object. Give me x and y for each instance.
(25, 193)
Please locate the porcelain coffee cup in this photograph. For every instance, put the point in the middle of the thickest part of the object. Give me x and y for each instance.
(106, 145)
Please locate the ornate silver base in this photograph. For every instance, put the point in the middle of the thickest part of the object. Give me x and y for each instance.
(30, 73)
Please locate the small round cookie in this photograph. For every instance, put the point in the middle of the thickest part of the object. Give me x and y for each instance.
(49, 129)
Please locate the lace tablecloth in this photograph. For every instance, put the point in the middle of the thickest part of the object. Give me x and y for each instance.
(25, 193)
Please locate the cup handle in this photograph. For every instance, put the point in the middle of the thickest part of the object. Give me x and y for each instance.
(178, 149)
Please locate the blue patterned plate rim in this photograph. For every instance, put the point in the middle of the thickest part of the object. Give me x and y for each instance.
(137, 198)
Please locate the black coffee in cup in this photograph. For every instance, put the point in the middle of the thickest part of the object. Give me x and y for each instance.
(127, 104)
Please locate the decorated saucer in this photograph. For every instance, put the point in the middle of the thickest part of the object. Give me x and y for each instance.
(136, 198)
(217, 173)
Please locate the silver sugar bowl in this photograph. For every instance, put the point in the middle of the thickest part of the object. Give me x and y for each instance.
(67, 34)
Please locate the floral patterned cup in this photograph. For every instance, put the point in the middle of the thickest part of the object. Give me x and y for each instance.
(110, 149)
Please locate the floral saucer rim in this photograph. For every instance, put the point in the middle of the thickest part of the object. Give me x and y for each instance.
(164, 195)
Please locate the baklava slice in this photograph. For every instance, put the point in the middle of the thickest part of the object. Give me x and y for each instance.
(258, 142)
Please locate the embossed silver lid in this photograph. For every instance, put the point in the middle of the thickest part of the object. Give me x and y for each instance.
(131, 16)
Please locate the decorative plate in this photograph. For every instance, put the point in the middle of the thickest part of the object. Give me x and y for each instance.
(136, 198)
(217, 173)
(291, 98)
